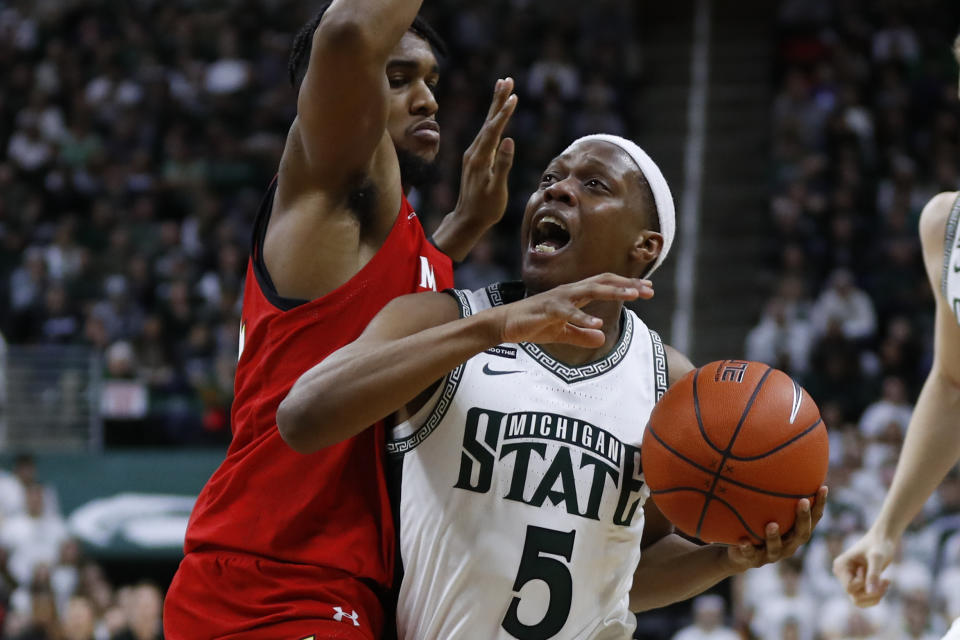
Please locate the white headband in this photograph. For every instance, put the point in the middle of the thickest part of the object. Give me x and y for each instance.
(658, 185)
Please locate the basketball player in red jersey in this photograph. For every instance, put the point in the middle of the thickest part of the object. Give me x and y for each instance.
(282, 545)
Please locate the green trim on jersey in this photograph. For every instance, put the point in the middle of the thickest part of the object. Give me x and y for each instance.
(400, 446)
(505, 293)
(661, 376)
(952, 222)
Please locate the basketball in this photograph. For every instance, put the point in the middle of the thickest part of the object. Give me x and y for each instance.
(731, 447)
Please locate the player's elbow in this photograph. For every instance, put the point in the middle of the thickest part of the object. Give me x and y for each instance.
(298, 428)
(345, 34)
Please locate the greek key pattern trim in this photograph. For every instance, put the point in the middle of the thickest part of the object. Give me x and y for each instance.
(948, 244)
(411, 442)
(400, 446)
(588, 371)
(660, 373)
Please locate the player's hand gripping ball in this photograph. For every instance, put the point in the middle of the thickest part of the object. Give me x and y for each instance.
(731, 447)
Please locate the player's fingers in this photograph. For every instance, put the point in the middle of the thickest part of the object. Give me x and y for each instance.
(748, 551)
(876, 563)
(501, 90)
(580, 337)
(588, 292)
(819, 504)
(480, 153)
(503, 162)
(864, 599)
(802, 527)
(774, 544)
(581, 318)
(493, 130)
(644, 287)
(841, 569)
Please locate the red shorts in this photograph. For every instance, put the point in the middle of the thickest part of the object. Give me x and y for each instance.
(239, 597)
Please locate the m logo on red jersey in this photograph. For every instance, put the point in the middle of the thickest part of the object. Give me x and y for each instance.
(428, 279)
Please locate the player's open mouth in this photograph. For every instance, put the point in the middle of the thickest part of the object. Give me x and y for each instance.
(549, 235)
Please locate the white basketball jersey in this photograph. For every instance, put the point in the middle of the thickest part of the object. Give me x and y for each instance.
(521, 494)
(951, 261)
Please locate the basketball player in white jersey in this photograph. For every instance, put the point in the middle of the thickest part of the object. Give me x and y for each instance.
(519, 413)
(932, 445)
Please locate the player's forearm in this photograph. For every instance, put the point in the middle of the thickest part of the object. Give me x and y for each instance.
(674, 569)
(362, 383)
(931, 448)
(458, 233)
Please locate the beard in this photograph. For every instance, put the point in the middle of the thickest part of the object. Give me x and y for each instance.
(415, 171)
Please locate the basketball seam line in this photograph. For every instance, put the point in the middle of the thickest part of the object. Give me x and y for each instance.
(737, 483)
(733, 438)
(721, 501)
(779, 447)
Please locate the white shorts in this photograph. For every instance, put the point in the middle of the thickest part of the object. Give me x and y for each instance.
(954, 632)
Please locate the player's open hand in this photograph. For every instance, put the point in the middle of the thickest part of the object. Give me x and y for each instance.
(557, 315)
(859, 568)
(747, 556)
(487, 162)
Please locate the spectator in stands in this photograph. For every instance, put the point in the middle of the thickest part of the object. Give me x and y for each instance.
(13, 488)
(707, 621)
(893, 407)
(143, 614)
(793, 603)
(843, 303)
(33, 537)
(79, 622)
(42, 623)
(780, 340)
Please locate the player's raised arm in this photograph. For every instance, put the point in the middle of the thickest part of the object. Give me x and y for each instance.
(342, 105)
(932, 443)
(416, 340)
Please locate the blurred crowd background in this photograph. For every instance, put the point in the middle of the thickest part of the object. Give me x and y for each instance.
(137, 138)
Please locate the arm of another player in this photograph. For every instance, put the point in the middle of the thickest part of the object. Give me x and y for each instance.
(483, 184)
(932, 444)
(681, 569)
(416, 340)
(342, 104)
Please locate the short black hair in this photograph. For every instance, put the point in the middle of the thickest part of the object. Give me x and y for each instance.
(303, 43)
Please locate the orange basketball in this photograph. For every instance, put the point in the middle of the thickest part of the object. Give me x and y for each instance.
(731, 447)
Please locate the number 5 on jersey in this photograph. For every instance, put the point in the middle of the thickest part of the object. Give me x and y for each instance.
(536, 564)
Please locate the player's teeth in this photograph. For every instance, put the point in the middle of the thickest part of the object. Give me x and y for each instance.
(550, 219)
(545, 248)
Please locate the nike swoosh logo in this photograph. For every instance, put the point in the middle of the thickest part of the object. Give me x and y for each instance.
(797, 399)
(493, 372)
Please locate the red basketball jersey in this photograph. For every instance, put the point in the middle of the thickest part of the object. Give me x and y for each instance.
(329, 509)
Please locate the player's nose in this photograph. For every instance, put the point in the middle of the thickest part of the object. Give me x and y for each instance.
(561, 191)
(422, 100)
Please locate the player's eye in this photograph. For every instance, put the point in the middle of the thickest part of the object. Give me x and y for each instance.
(547, 179)
(397, 81)
(594, 183)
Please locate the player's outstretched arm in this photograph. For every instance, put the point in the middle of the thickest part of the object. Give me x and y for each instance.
(416, 340)
(342, 104)
(681, 569)
(483, 183)
(932, 444)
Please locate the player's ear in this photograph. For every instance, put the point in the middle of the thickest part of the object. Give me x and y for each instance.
(647, 247)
